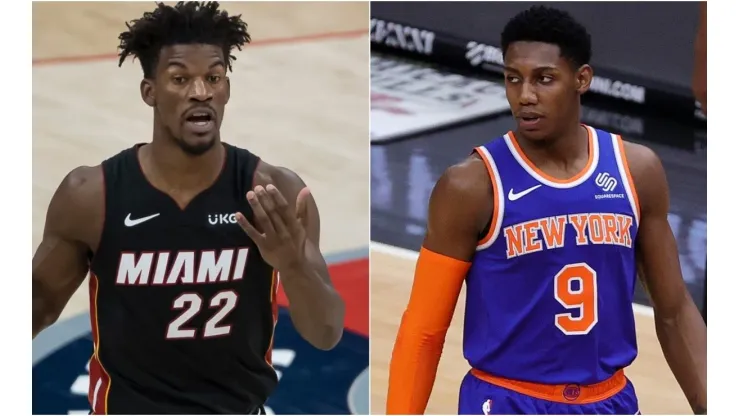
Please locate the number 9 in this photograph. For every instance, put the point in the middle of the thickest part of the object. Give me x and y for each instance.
(585, 299)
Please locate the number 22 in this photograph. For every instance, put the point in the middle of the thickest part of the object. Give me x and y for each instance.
(585, 299)
(226, 300)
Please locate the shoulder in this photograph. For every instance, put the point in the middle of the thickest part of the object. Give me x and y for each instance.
(288, 182)
(266, 173)
(82, 185)
(277, 175)
(78, 204)
(468, 179)
(643, 161)
(459, 209)
(647, 174)
(464, 189)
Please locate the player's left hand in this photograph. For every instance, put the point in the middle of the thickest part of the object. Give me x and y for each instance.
(282, 239)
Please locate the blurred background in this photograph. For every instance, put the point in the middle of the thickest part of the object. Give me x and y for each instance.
(437, 92)
(299, 99)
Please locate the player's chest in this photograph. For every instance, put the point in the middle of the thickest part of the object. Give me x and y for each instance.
(160, 223)
(557, 224)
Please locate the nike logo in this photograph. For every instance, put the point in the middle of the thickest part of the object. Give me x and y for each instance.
(514, 196)
(130, 223)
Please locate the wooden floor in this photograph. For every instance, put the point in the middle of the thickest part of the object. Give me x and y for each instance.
(299, 99)
(392, 275)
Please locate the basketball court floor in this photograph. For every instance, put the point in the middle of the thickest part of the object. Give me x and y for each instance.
(405, 169)
(299, 99)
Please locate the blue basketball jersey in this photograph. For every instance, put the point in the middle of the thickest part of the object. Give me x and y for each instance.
(550, 289)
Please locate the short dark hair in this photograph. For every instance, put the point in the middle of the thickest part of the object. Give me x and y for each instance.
(188, 22)
(549, 25)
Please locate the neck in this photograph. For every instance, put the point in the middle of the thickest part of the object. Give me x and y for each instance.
(179, 170)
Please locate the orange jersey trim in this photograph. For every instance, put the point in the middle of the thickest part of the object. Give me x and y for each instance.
(632, 190)
(497, 199)
(438, 280)
(560, 393)
(586, 169)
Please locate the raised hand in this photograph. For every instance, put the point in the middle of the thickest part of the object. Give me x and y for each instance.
(280, 232)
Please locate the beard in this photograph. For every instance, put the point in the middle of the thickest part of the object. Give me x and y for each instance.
(196, 149)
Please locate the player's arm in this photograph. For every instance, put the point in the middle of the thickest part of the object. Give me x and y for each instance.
(316, 309)
(459, 209)
(681, 330)
(60, 263)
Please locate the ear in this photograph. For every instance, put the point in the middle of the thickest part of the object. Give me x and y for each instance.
(147, 92)
(584, 75)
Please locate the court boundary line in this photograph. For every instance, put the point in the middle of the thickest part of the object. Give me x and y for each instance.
(311, 37)
(413, 255)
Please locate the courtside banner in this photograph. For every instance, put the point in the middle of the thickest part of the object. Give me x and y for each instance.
(476, 57)
(408, 97)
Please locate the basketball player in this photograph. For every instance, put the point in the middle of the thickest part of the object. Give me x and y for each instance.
(184, 238)
(542, 226)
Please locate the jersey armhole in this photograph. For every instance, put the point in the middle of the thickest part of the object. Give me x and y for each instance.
(626, 175)
(93, 251)
(498, 200)
(105, 210)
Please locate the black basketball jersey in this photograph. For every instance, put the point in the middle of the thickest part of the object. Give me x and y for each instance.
(182, 305)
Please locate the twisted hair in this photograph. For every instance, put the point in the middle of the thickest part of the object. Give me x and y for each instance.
(188, 22)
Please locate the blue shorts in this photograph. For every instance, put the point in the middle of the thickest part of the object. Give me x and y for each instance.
(479, 397)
